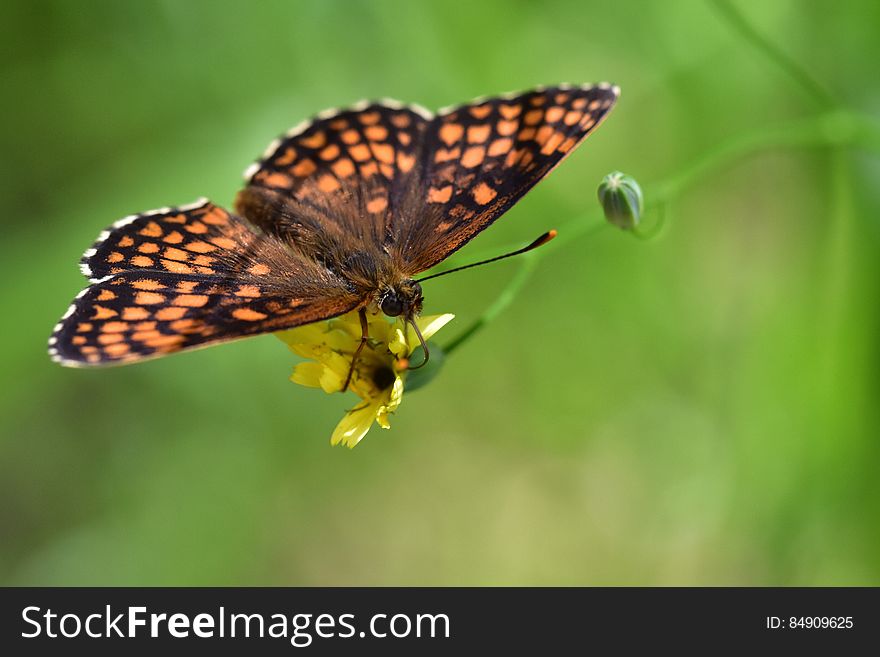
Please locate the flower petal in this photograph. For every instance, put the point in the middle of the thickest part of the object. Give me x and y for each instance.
(355, 424)
(308, 374)
(430, 324)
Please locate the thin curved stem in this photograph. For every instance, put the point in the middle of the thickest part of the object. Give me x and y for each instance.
(791, 67)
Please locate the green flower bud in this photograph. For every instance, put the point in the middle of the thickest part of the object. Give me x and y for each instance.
(621, 199)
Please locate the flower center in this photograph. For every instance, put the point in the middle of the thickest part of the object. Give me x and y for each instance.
(383, 377)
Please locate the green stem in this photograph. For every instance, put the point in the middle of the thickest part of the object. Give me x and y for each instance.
(792, 68)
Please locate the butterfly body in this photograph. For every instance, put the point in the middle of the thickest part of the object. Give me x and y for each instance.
(341, 213)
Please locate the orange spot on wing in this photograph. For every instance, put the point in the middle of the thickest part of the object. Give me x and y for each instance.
(376, 133)
(190, 300)
(480, 111)
(316, 140)
(509, 111)
(400, 121)
(115, 256)
(152, 229)
(567, 145)
(506, 128)
(200, 247)
(147, 284)
(369, 118)
(84, 327)
(224, 242)
(482, 193)
(142, 261)
(383, 152)
(350, 137)
(110, 338)
(196, 227)
(103, 313)
(259, 269)
(274, 179)
(451, 133)
(477, 134)
(134, 313)
(117, 350)
(377, 205)
(544, 133)
(78, 340)
(571, 118)
(405, 162)
(553, 142)
(473, 156)
(287, 158)
(177, 267)
(106, 295)
(186, 286)
(170, 313)
(304, 168)
(343, 167)
(148, 247)
(441, 195)
(148, 298)
(359, 152)
(330, 153)
(554, 114)
(369, 169)
(174, 237)
(216, 217)
(328, 184)
(164, 342)
(533, 117)
(500, 147)
(444, 155)
(248, 291)
(114, 327)
(125, 241)
(248, 315)
(186, 325)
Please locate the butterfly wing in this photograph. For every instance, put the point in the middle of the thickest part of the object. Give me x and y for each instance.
(481, 158)
(180, 278)
(333, 186)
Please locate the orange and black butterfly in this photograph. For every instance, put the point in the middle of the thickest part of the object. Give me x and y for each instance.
(340, 214)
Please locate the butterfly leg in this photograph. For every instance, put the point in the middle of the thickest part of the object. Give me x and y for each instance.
(365, 335)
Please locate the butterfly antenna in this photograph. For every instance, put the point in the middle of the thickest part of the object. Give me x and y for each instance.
(424, 362)
(543, 239)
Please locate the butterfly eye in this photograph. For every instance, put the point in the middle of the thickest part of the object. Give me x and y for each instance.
(391, 304)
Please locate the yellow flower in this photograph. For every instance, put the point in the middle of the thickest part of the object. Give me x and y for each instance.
(379, 372)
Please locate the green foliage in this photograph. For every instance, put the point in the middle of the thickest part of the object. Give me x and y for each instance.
(694, 409)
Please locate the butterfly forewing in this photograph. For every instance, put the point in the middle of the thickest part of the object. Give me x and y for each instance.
(338, 178)
(483, 157)
(179, 278)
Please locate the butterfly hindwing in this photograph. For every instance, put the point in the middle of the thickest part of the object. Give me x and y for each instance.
(218, 281)
(483, 157)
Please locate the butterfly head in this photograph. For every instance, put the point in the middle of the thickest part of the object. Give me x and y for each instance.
(404, 298)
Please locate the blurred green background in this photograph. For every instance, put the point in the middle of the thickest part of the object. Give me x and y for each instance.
(695, 409)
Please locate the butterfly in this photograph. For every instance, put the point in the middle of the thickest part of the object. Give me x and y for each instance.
(341, 213)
